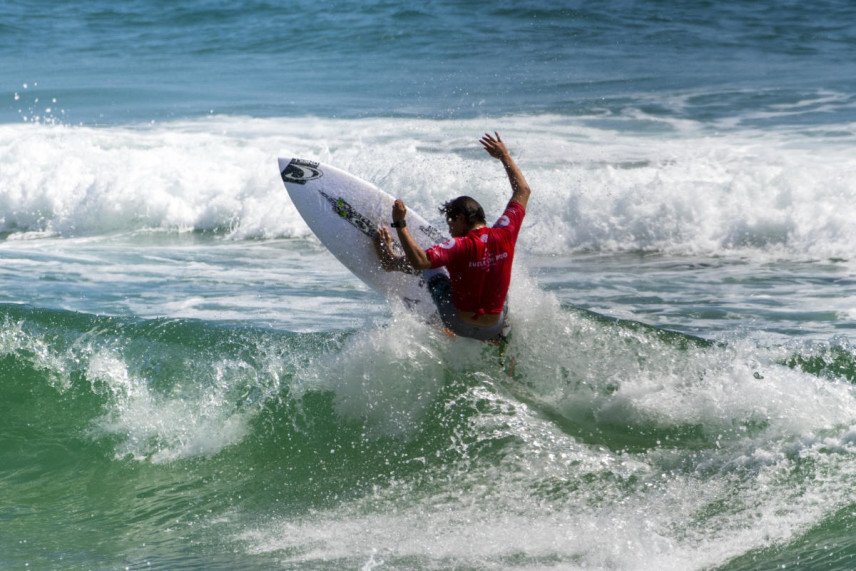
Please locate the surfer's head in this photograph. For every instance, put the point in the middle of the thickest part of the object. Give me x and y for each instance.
(469, 208)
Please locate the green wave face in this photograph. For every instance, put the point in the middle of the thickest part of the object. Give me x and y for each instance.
(170, 443)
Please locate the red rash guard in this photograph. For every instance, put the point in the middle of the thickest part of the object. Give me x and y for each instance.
(479, 263)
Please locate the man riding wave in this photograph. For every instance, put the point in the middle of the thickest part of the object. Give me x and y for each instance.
(472, 300)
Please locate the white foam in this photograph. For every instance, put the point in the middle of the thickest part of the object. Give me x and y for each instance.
(196, 417)
(550, 498)
(385, 377)
(685, 190)
(773, 456)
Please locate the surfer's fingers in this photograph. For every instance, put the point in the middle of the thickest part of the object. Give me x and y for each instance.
(492, 142)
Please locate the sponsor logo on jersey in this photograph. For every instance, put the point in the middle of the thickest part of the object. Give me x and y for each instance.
(448, 244)
(488, 261)
(502, 222)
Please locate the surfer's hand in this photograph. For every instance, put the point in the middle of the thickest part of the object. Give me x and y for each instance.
(399, 211)
(383, 246)
(383, 241)
(494, 146)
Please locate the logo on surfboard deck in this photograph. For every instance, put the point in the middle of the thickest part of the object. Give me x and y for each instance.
(299, 171)
(346, 211)
(361, 223)
(433, 233)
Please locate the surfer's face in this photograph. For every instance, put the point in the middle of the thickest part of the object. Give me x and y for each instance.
(457, 225)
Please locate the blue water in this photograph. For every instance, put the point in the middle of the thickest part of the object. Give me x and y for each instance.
(139, 61)
(190, 380)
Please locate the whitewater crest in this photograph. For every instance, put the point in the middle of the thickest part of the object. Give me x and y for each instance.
(753, 194)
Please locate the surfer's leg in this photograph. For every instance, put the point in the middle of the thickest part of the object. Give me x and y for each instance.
(441, 292)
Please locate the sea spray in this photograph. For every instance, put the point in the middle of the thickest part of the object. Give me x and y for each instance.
(387, 377)
(703, 439)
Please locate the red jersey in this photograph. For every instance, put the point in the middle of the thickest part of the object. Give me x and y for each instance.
(479, 263)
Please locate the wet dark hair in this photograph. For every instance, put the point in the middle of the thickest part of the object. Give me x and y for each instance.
(469, 207)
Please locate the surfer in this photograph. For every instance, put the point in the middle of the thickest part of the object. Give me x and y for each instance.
(472, 299)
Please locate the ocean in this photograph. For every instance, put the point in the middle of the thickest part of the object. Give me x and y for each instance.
(189, 380)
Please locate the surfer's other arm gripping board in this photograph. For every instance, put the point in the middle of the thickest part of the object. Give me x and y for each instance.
(344, 212)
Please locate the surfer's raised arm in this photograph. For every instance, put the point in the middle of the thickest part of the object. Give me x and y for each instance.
(496, 148)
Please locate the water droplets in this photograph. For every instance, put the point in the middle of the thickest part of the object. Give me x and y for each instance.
(33, 112)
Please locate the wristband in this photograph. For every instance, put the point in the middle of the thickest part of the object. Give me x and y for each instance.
(399, 224)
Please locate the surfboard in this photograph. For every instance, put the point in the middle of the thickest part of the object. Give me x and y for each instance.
(344, 212)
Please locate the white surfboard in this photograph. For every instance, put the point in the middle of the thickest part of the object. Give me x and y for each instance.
(345, 212)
